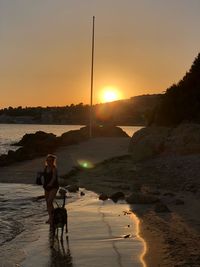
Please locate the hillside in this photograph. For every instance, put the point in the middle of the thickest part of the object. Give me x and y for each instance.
(133, 111)
(181, 102)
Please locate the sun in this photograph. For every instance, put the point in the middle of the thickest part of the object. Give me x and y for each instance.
(110, 94)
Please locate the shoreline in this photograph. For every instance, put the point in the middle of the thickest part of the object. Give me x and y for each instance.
(93, 232)
(171, 237)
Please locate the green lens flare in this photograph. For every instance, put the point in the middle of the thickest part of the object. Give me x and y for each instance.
(85, 164)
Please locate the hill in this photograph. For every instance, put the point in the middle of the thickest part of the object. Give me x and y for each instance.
(133, 111)
(181, 102)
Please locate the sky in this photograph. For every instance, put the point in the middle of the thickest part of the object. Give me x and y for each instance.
(141, 47)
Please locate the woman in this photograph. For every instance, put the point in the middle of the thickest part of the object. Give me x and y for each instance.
(50, 183)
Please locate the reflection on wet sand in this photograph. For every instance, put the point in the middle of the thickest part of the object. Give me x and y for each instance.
(60, 255)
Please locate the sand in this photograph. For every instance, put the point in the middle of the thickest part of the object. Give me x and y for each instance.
(93, 151)
(173, 239)
(95, 238)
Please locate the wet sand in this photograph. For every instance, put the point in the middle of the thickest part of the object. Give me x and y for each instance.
(96, 237)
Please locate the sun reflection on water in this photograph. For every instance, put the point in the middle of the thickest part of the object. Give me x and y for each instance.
(137, 221)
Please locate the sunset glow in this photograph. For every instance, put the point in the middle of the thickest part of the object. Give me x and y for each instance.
(110, 94)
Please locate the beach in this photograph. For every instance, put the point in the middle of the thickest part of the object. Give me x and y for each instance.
(31, 246)
(171, 234)
(170, 238)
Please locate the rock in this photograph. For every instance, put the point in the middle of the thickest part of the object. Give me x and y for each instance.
(104, 131)
(153, 141)
(116, 196)
(103, 197)
(141, 198)
(126, 236)
(36, 138)
(5, 160)
(72, 188)
(161, 207)
(148, 142)
(72, 137)
(184, 139)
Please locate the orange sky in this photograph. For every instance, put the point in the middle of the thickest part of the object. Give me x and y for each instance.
(142, 46)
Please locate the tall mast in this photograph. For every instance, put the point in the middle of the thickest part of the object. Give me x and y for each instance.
(92, 75)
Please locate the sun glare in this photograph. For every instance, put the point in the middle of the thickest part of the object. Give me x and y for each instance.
(109, 94)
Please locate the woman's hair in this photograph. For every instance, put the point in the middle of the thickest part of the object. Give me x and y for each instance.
(53, 157)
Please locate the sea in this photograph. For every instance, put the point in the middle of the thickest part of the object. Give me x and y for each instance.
(20, 209)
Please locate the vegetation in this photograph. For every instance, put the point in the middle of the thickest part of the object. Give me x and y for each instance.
(181, 102)
(133, 111)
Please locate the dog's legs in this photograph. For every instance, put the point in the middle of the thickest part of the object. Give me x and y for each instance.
(66, 225)
(57, 232)
(62, 233)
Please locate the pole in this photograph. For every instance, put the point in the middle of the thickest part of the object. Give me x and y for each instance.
(92, 75)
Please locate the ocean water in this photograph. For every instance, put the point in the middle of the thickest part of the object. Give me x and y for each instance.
(17, 208)
(11, 133)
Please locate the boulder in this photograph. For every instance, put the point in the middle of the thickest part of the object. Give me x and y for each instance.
(103, 196)
(36, 138)
(5, 160)
(116, 196)
(72, 188)
(148, 142)
(184, 139)
(153, 141)
(104, 131)
(33, 145)
(72, 137)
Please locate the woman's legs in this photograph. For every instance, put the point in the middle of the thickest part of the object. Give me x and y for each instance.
(49, 196)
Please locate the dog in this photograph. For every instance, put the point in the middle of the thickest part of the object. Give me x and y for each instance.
(60, 217)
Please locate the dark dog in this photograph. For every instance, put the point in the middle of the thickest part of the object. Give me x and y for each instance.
(60, 218)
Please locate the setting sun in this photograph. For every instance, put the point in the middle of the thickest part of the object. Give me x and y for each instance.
(110, 94)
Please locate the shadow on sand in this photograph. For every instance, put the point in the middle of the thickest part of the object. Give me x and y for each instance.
(60, 255)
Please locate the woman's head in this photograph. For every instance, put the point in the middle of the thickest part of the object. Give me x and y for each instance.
(50, 160)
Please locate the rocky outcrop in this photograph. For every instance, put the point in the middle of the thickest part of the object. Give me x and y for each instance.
(148, 142)
(184, 139)
(41, 143)
(103, 197)
(104, 131)
(117, 196)
(72, 137)
(72, 188)
(152, 141)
